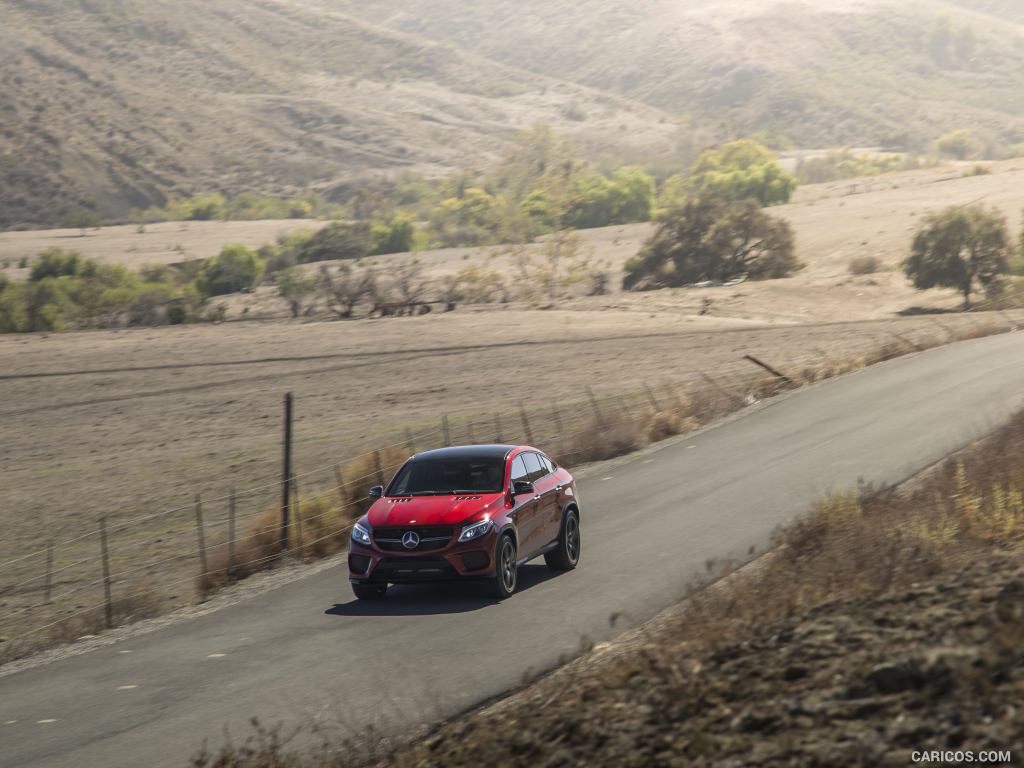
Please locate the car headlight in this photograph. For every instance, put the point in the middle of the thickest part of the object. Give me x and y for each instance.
(475, 531)
(360, 535)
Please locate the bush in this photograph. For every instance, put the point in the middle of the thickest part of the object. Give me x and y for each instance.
(961, 144)
(339, 240)
(395, 236)
(864, 265)
(599, 201)
(235, 268)
(712, 239)
(55, 262)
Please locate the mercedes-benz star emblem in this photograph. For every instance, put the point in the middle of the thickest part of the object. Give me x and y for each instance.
(411, 540)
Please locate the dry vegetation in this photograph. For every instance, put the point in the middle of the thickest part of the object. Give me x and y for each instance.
(885, 620)
(118, 106)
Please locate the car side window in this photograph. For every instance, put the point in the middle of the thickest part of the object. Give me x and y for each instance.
(549, 465)
(534, 467)
(519, 471)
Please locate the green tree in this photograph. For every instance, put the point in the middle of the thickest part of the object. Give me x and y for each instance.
(338, 240)
(294, 285)
(596, 200)
(234, 269)
(742, 170)
(960, 144)
(472, 218)
(958, 248)
(713, 239)
(397, 235)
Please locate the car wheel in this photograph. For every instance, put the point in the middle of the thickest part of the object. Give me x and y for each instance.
(369, 591)
(565, 556)
(506, 572)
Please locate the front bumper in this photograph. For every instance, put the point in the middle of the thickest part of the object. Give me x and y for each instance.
(367, 564)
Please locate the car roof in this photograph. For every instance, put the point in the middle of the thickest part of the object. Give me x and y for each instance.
(489, 451)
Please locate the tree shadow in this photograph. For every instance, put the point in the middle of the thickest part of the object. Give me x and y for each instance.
(433, 598)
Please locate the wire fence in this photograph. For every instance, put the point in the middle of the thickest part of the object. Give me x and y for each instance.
(123, 569)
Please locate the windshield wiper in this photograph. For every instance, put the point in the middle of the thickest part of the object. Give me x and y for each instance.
(428, 493)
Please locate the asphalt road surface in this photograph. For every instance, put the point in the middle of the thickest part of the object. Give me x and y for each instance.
(307, 649)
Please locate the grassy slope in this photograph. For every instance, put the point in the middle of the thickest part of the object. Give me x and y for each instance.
(125, 102)
(821, 72)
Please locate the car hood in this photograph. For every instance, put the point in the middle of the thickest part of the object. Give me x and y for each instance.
(428, 510)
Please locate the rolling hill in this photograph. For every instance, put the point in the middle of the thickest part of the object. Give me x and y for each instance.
(816, 72)
(121, 104)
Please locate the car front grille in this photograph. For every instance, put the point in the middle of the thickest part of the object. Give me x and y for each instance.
(413, 569)
(431, 538)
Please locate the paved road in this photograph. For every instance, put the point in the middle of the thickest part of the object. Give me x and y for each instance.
(307, 649)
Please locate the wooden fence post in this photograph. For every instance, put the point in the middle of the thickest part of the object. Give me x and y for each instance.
(410, 444)
(201, 540)
(104, 550)
(445, 430)
(497, 427)
(469, 432)
(378, 470)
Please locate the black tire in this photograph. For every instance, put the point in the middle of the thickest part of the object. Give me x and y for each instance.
(369, 591)
(566, 555)
(506, 572)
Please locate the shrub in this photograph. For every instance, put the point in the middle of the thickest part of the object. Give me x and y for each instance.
(395, 236)
(960, 144)
(294, 285)
(336, 241)
(712, 239)
(235, 268)
(864, 265)
(55, 262)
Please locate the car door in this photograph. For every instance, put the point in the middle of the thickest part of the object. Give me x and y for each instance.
(524, 509)
(534, 536)
(548, 507)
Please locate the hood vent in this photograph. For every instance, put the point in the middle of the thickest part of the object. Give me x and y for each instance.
(399, 501)
(467, 498)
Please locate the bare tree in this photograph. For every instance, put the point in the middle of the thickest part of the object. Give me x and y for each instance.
(407, 281)
(346, 288)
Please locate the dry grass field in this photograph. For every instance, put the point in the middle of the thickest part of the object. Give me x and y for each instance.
(132, 424)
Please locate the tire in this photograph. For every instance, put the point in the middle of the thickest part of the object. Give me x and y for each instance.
(369, 591)
(506, 572)
(566, 555)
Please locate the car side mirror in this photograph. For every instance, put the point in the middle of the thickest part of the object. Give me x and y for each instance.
(521, 488)
(376, 491)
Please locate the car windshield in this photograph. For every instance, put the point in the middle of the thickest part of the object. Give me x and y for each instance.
(438, 477)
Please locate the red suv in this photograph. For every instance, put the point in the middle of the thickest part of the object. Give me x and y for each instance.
(472, 511)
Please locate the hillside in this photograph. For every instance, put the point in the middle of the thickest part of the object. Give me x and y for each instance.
(120, 104)
(817, 72)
